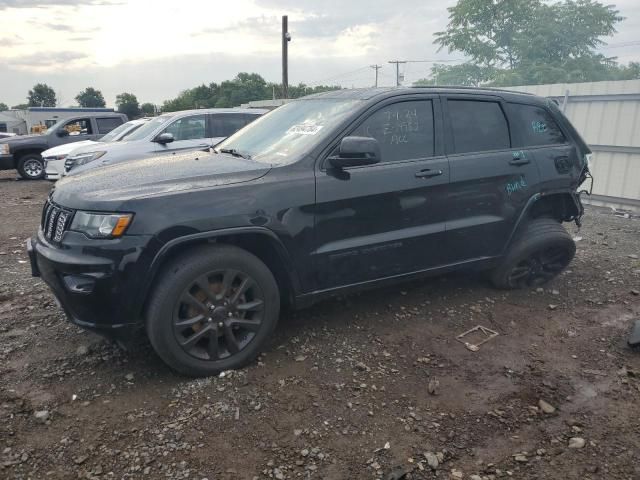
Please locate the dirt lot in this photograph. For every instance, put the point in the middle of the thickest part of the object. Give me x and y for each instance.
(345, 390)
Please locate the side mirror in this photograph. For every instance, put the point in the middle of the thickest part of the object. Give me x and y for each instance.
(356, 151)
(164, 138)
(62, 132)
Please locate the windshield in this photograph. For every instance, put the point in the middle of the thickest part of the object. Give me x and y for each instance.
(148, 128)
(120, 132)
(278, 137)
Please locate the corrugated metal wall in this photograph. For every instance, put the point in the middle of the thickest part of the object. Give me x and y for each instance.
(607, 115)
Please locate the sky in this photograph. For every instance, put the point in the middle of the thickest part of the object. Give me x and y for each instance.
(155, 49)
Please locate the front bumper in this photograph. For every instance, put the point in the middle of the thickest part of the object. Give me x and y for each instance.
(6, 162)
(97, 282)
(54, 169)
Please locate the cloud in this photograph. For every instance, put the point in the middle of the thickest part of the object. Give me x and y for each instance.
(60, 27)
(262, 25)
(45, 59)
(6, 4)
(12, 41)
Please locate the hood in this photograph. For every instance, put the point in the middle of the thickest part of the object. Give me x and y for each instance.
(67, 148)
(108, 187)
(109, 147)
(22, 139)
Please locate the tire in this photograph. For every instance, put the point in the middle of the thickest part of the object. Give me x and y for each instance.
(538, 254)
(31, 167)
(192, 321)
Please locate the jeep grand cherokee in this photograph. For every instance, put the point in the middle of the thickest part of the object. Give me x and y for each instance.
(327, 194)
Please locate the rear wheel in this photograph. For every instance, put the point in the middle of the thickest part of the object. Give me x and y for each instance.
(31, 167)
(212, 310)
(541, 251)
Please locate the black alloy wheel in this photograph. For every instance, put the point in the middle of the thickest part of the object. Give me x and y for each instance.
(539, 268)
(541, 250)
(218, 315)
(212, 309)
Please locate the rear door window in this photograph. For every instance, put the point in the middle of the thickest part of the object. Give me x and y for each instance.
(226, 124)
(403, 130)
(535, 125)
(478, 126)
(105, 125)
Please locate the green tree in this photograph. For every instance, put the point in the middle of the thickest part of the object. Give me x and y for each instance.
(20, 106)
(466, 74)
(90, 98)
(488, 31)
(42, 95)
(148, 109)
(531, 41)
(3, 107)
(245, 87)
(127, 103)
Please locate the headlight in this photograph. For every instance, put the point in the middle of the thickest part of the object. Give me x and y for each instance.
(82, 158)
(51, 158)
(4, 149)
(101, 225)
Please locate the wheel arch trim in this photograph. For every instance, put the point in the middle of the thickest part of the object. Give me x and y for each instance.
(538, 197)
(171, 246)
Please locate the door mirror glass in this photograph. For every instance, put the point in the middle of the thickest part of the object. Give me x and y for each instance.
(356, 151)
(164, 138)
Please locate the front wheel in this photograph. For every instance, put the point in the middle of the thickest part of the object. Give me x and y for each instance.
(540, 252)
(212, 310)
(31, 167)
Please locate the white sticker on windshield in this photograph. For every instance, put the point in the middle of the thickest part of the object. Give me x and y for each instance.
(305, 129)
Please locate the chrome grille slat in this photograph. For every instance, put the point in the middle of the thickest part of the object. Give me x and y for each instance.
(55, 221)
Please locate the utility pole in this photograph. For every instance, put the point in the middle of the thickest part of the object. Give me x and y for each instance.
(397, 62)
(376, 68)
(286, 38)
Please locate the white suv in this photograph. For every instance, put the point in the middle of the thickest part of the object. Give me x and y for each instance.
(170, 133)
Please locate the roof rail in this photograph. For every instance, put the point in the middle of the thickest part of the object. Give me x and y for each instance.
(464, 87)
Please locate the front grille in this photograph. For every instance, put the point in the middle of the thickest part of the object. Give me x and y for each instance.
(55, 221)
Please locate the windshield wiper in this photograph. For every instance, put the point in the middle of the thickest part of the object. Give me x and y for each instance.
(234, 152)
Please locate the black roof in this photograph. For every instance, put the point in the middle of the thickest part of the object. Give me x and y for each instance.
(369, 93)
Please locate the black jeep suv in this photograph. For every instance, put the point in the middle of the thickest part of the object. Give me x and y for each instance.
(327, 194)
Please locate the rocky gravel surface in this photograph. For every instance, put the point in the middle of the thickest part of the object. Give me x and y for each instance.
(372, 386)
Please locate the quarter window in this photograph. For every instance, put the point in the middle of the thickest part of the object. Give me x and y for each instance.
(478, 126)
(535, 125)
(187, 128)
(403, 130)
(105, 125)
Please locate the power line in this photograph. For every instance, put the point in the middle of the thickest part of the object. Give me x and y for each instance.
(328, 79)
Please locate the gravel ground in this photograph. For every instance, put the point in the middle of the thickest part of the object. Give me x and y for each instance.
(367, 386)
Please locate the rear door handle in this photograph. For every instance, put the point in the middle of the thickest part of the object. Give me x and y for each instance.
(519, 161)
(428, 173)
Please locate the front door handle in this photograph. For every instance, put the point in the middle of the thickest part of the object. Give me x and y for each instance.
(428, 173)
(519, 161)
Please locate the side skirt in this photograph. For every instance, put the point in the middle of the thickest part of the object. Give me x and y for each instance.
(308, 299)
